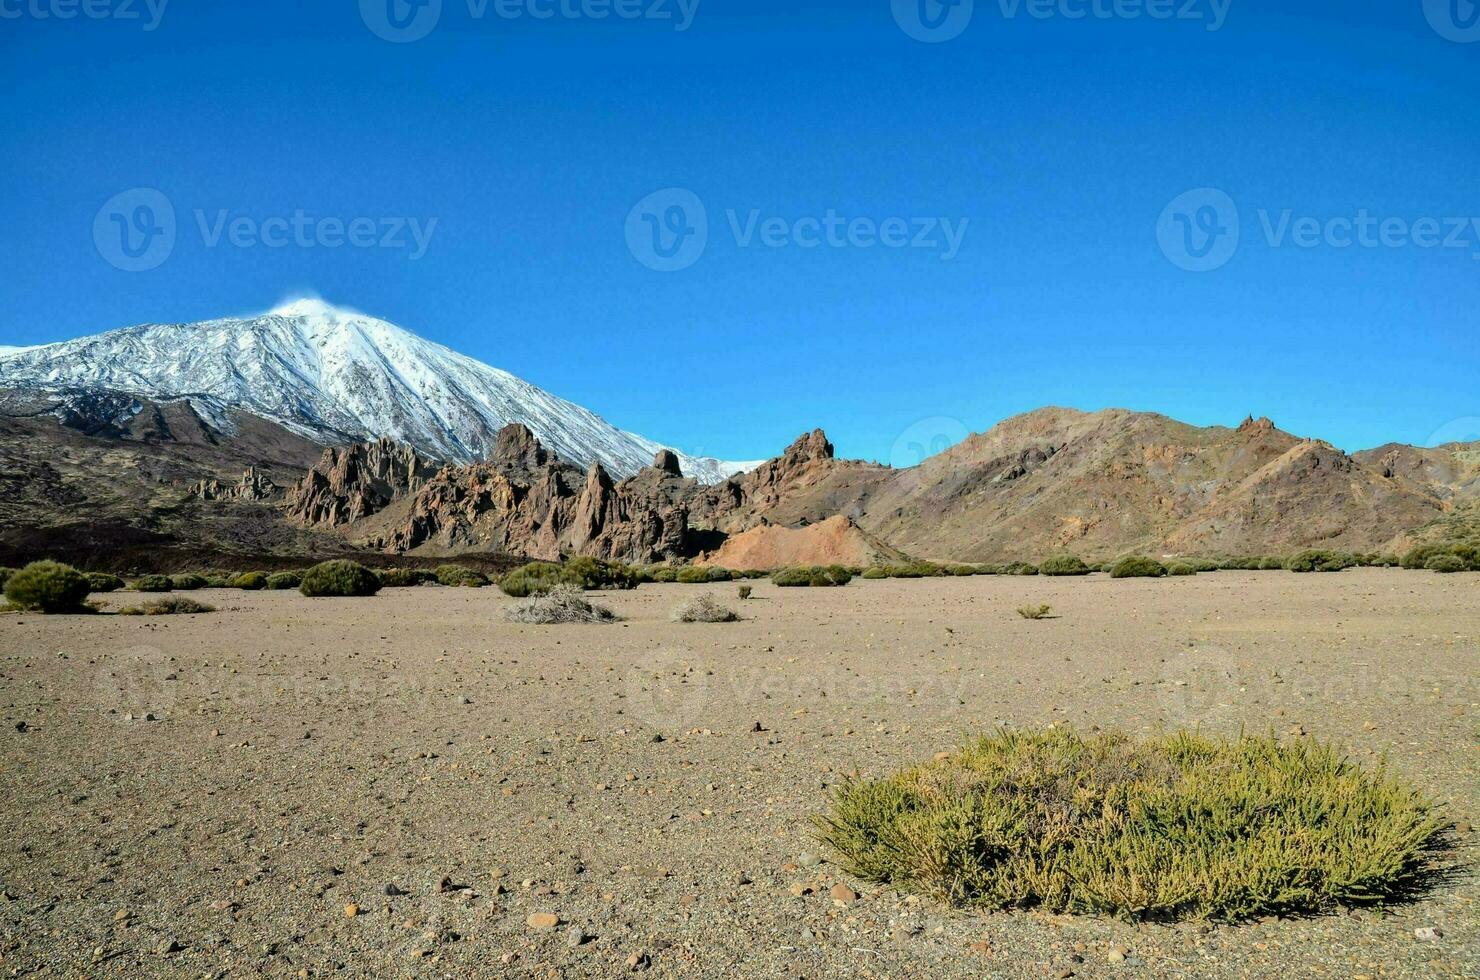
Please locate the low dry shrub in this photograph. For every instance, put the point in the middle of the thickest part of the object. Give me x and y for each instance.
(174, 605)
(1182, 826)
(704, 609)
(560, 604)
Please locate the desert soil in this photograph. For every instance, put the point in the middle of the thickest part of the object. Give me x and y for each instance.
(395, 786)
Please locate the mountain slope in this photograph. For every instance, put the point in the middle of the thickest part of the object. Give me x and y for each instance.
(335, 376)
(1096, 483)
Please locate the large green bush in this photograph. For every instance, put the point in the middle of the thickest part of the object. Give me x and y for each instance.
(539, 577)
(405, 578)
(1319, 560)
(1063, 565)
(460, 576)
(48, 587)
(104, 582)
(153, 583)
(1181, 826)
(817, 576)
(5, 574)
(1137, 566)
(1446, 564)
(339, 578)
(187, 582)
(250, 581)
(875, 572)
(282, 581)
(1181, 568)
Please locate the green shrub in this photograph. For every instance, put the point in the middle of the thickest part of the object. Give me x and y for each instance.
(154, 583)
(339, 578)
(5, 574)
(914, 569)
(282, 581)
(1202, 564)
(1063, 565)
(48, 587)
(1181, 826)
(1018, 568)
(665, 575)
(584, 573)
(174, 605)
(694, 575)
(187, 582)
(875, 572)
(1138, 566)
(1271, 563)
(1180, 568)
(1386, 561)
(989, 569)
(460, 576)
(250, 581)
(1416, 558)
(104, 582)
(218, 581)
(405, 578)
(1319, 560)
(1446, 564)
(817, 576)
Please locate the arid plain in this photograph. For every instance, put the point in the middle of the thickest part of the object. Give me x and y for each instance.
(396, 785)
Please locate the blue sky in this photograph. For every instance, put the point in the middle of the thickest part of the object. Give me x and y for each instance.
(1051, 146)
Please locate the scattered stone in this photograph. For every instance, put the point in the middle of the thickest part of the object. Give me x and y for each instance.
(351, 910)
(1463, 828)
(844, 894)
(394, 889)
(1427, 933)
(638, 961)
(169, 946)
(575, 936)
(542, 920)
(798, 890)
(1117, 953)
(121, 915)
(656, 738)
(808, 860)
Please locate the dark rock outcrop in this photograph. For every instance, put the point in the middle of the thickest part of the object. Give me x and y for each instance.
(353, 483)
(253, 485)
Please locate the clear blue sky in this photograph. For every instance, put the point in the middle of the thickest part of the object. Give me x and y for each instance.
(1059, 140)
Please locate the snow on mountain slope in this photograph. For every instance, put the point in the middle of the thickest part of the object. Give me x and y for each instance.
(335, 375)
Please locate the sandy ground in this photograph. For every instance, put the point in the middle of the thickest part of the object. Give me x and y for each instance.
(305, 756)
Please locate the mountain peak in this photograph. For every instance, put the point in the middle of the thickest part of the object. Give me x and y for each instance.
(312, 307)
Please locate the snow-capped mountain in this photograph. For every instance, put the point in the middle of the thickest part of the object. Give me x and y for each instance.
(335, 376)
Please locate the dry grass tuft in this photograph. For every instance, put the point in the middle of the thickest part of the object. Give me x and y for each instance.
(561, 604)
(1177, 827)
(703, 609)
(170, 606)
